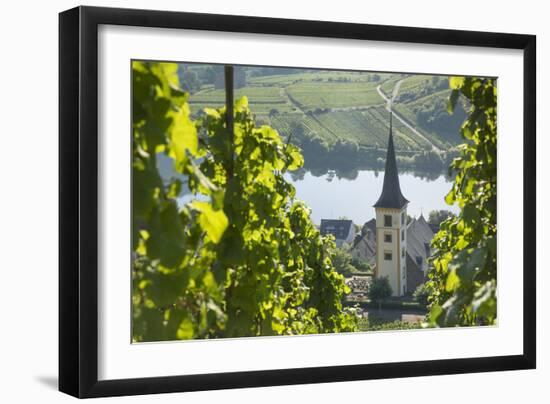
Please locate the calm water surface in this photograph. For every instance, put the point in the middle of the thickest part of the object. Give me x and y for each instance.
(330, 197)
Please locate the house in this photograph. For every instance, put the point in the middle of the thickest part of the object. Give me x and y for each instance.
(364, 245)
(342, 230)
(419, 237)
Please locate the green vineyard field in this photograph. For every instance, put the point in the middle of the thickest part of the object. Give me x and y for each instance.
(341, 106)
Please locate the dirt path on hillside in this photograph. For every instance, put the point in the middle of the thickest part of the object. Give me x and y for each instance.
(284, 93)
(399, 117)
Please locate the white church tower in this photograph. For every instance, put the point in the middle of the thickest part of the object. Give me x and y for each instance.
(391, 226)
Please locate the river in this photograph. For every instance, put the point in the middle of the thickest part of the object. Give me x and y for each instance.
(330, 197)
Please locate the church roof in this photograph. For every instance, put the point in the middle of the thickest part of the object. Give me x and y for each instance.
(370, 225)
(364, 246)
(391, 196)
(419, 237)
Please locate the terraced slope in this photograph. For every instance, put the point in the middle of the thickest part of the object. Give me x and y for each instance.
(422, 102)
(310, 96)
(262, 99)
(338, 106)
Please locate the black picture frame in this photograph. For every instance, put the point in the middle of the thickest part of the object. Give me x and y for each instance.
(78, 200)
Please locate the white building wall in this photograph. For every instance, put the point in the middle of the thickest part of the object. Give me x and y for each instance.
(394, 269)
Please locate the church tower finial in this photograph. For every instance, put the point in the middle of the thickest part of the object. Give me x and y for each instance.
(391, 196)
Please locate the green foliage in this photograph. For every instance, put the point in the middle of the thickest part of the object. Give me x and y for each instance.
(361, 265)
(242, 258)
(338, 118)
(277, 76)
(341, 259)
(375, 324)
(463, 278)
(422, 294)
(189, 79)
(345, 264)
(334, 94)
(379, 290)
(368, 128)
(436, 217)
(261, 99)
(422, 101)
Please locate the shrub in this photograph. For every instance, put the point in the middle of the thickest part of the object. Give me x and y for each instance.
(421, 294)
(342, 260)
(361, 265)
(380, 290)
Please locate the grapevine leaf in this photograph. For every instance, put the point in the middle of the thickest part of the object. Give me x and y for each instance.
(213, 222)
(455, 83)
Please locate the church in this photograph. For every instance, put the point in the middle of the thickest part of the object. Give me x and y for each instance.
(396, 247)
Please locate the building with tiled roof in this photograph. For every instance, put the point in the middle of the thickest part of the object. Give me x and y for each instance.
(342, 230)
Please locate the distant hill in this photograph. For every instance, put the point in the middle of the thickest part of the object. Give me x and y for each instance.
(339, 111)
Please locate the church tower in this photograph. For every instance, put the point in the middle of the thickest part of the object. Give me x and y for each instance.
(391, 226)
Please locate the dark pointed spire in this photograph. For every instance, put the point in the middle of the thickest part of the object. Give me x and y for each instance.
(391, 192)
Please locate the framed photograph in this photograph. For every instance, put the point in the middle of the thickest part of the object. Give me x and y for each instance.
(251, 201)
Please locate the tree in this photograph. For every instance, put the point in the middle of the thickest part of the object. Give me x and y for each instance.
(428, 160)
(463, 278)
(189, 78)
(361, 265)
(207, 74)
(436, 217)
(379, 290)
(342, 260)
(242, 258)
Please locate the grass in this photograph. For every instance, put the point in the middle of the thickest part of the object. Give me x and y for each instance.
(313, 95)
(379, 325)
(261, 99)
